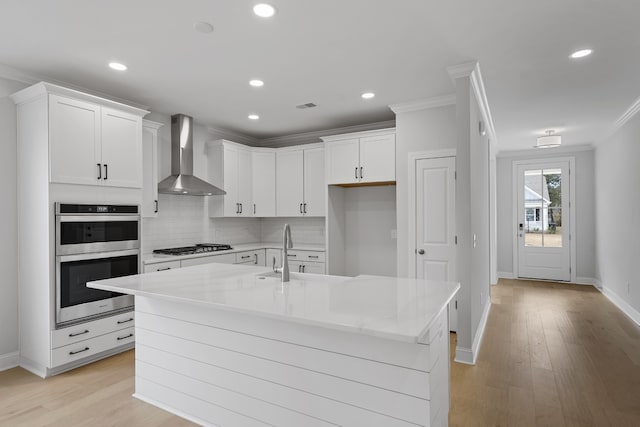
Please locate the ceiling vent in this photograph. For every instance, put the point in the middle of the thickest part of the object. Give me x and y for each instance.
(305, 106)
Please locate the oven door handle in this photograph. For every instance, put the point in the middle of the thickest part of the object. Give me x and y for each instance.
(97, 218)
(96, 255)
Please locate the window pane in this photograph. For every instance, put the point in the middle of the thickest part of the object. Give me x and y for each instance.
(552, 208)
(533, 205)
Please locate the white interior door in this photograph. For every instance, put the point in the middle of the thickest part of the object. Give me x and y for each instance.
(543, 221)
(435, 223)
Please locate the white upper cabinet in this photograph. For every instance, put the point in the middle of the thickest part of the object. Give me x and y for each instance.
(360, 158)
(314, 183)
(93, 144)
(264, 183)
(343, 161)
(290, 183)
(121, 149)
(74, 138)
(150, 168)
(300, 181)
(230, 168)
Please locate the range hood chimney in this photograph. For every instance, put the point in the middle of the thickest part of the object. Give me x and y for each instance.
(181, 181)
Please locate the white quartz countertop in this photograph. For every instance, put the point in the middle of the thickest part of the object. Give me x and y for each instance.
(387, 307)
(156, 258)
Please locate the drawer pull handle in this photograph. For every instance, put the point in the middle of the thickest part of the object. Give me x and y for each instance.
(125, 337)
(246, 256)
(164, 269)
(313, 256)
(292, 255)
(120, 322)
(86, 331)
(71, 353)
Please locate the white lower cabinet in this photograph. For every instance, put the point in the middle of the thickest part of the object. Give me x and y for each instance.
(307, 267)
(251, 257)
(90, 338)
(214, 259)
(161, 266)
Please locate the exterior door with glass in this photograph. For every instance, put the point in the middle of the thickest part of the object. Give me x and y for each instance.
(543, 228)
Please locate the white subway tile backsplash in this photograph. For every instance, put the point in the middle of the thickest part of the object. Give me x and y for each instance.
(184, 220)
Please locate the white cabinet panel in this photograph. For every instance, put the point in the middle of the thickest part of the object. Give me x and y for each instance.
(230, 166)
(244, 171)
(121, 149)
(378, 158)
(264, 183)
(150, 169)
(314, 183)
(92, 346)
(74, 141)
(161, 266)
(343, 162)
(256, 257)
(290, 182)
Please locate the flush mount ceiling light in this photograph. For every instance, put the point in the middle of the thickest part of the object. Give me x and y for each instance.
(256, 83)
(203, 27)
(264, 10)
(581, 53)
(368, 95)
(253, 117)
(117, 66)
(550, 140)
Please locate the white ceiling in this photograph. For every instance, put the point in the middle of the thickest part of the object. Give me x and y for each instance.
(329, 52)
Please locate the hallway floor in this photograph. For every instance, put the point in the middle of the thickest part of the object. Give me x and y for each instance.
(552, 355)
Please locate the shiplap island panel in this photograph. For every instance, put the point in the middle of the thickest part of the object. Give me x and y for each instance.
(230, 345)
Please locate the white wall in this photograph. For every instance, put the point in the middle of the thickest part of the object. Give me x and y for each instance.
(585, 208)
(370, 218)
(617, 207)
(429, 129)
(8, 221)
(304, 231)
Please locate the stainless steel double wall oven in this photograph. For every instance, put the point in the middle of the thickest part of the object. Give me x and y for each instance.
(93, 242)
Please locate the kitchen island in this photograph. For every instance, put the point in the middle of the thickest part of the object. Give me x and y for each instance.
(230, 345)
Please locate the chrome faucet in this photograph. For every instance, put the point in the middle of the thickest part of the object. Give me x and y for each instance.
(287, 243)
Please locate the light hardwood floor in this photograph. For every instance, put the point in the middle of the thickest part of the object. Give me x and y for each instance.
(552, 355)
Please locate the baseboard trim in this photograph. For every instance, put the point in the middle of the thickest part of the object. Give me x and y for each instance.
(469, 356)
(171, 410)
(627, 309)
(586, 281)
(505, 275)
(9, 360)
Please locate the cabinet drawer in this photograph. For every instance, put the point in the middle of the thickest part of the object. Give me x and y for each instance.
(313, 256)
(219, 259)
(251, 257)
(92, 346)
(84, 331)
(161, 266)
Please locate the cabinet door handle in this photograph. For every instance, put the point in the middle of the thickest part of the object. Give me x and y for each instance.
(240, 207)
(106, 171)
(120, 322)
(356, 172)
(86, 331)
(99, 170)
(237, 208)
(304, 267)
(71, 353)
(361, 172)
(305, 207)
(254, 208)
(156, 210)
(256, 255)
(125, 337)
(301, 208)
(300, 268)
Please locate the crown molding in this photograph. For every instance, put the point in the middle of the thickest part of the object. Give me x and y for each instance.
(315, 136)
(472, 71)
(232, 136)
(151, 124)
(423, 104)
(625, 117)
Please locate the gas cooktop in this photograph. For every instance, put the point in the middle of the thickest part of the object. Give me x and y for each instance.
(200, 248)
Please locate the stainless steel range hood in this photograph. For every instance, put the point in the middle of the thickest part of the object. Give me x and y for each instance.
(181, 181)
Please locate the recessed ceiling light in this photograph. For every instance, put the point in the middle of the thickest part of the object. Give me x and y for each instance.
(117, 66)
(264, 10)
(253, 117)
(581, 53)
(203, 27)
(368, 95)
(256, 83)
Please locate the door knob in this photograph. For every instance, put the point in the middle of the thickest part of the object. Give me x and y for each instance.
(421, 251)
